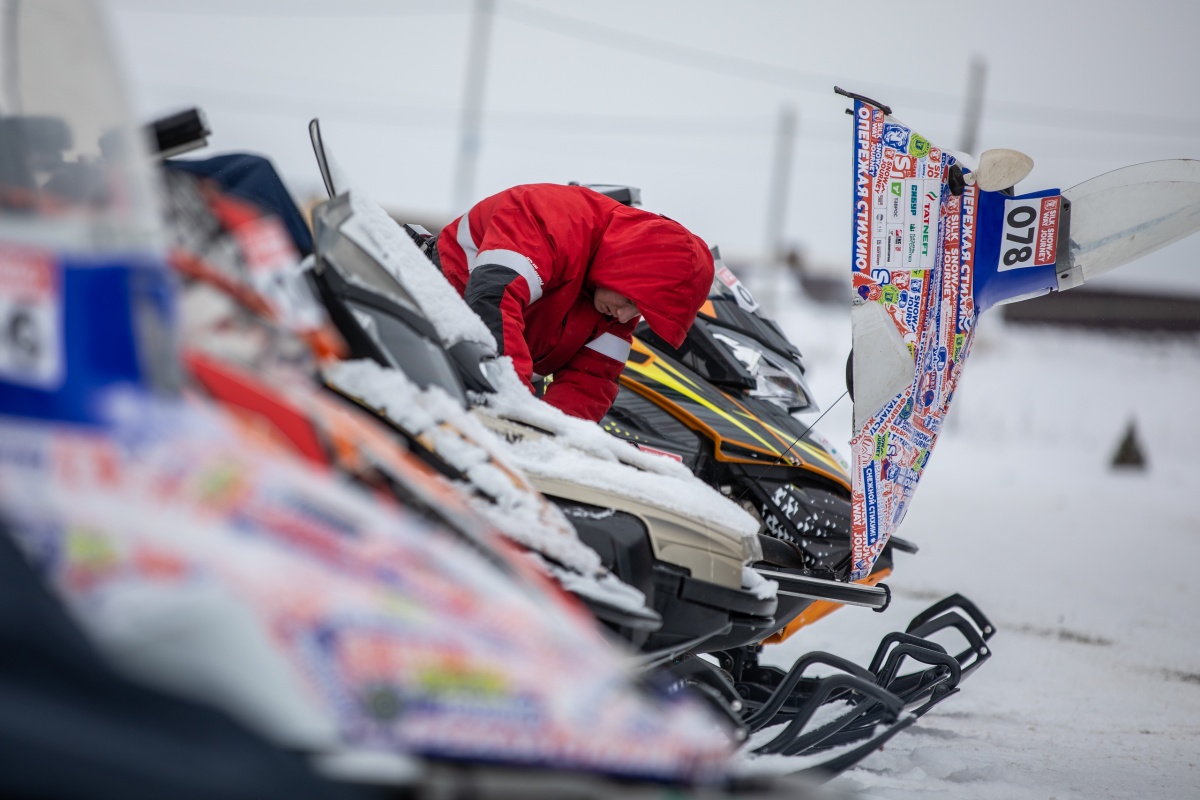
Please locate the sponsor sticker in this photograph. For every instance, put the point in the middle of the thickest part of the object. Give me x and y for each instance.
(740, 293)
(265, 244)
(896, 137)
(654, 451)
(871, 502)
(1030, 235)
(31, 346)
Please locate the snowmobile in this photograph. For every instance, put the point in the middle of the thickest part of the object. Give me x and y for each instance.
(202, 557)
(304, 419)
(916, 308)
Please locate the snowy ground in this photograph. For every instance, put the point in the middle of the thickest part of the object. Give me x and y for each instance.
(1088, 573)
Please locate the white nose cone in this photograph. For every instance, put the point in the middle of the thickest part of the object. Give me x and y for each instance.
(1002, 168)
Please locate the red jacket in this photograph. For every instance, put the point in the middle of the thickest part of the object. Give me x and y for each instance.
(527, 261)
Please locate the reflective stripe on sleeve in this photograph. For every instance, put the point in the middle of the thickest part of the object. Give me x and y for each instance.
(517, 263)
(465, 241)
(611, 345)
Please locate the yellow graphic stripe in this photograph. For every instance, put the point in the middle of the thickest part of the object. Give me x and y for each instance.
(669, 377)
(655, 369)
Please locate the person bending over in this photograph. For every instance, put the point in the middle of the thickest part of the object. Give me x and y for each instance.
(561, 274)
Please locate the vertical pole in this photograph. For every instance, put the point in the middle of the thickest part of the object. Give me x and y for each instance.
(472, 111)
(781, 174)
(781, 171)
(973, 110)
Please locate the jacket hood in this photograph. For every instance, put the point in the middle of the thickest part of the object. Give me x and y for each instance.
(659, 265)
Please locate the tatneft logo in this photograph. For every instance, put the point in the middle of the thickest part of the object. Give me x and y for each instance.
(897, 188)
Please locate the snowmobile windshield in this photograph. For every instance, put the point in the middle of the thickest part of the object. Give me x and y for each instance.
(777, 379)
(73, 173)
(423, 361)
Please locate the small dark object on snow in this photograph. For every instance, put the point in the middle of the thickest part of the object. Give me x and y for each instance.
(1129, 453)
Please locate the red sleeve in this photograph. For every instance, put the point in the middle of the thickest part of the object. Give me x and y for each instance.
(587, 385)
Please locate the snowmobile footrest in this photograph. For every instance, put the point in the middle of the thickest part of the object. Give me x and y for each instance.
(955, 602)
(843, 760)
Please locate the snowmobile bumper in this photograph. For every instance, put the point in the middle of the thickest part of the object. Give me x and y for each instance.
(852, 594)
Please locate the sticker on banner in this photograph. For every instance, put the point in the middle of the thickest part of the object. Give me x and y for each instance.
(740, 292)
(654, 451)
(30, 319)
(1030, 236)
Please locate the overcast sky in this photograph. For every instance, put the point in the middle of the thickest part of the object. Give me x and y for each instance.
(679, 97)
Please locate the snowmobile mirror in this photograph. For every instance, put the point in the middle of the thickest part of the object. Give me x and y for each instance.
(179, 133)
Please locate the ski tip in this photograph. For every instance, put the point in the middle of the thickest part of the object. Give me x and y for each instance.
(1002, 168)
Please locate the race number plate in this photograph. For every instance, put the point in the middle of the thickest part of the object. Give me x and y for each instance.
(1030, 237)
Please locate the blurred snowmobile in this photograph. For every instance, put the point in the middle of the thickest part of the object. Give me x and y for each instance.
(201, 555)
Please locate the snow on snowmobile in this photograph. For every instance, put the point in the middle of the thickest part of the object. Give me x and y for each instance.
(239, 361)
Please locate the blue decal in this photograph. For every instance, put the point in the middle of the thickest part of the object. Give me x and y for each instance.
(871, 497)
(896, 137)
(991, 285)
(114, 310)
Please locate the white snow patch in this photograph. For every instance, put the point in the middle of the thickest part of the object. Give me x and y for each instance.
(373, 230)
(761, 587)
(511, 504)
(581, 452)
